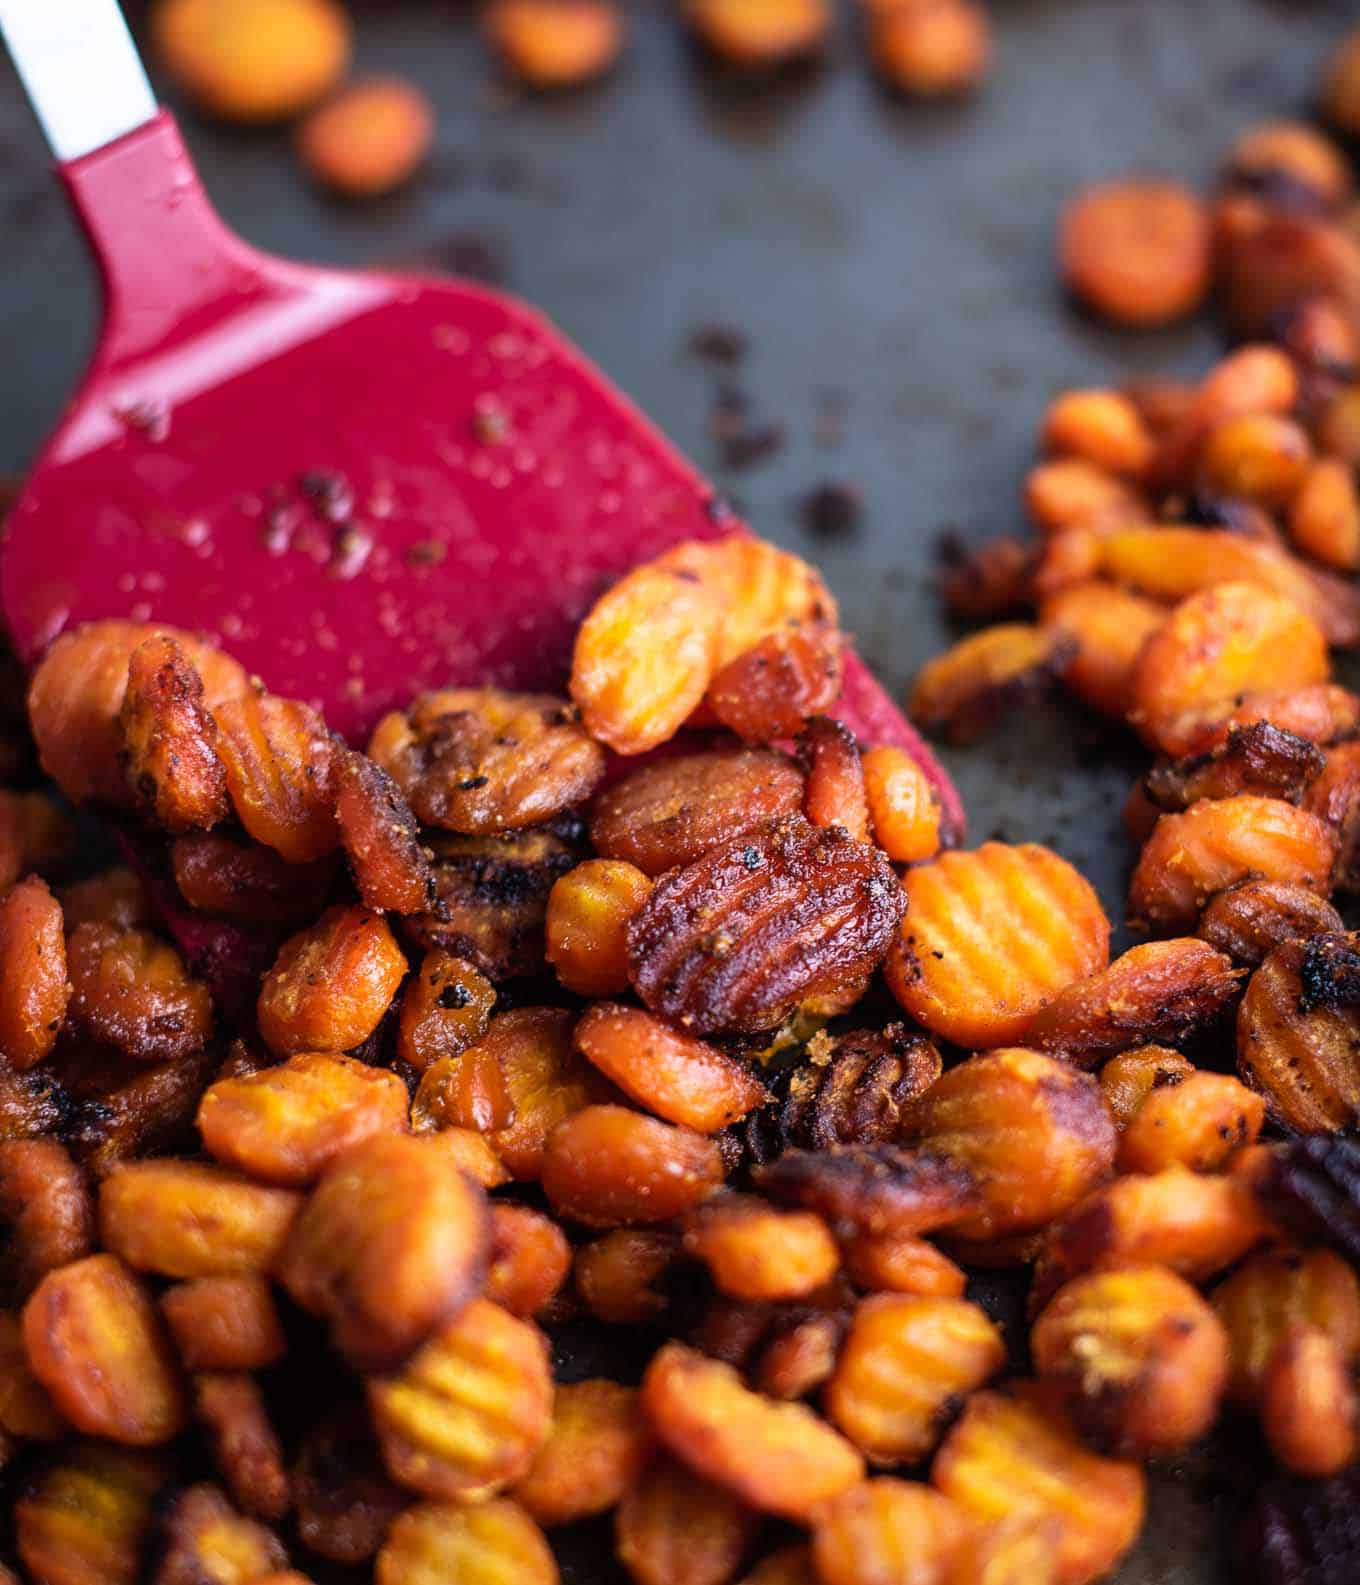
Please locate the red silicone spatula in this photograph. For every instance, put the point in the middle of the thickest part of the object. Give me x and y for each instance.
(362, 484)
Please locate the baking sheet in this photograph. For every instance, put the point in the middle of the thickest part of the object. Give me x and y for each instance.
(889, 266)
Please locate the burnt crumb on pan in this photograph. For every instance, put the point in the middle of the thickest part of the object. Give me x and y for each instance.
(475, 256)
(717, 343)
(471, 255)
(832, 509)
(752, 444)
(1329, 974)
(743, 440)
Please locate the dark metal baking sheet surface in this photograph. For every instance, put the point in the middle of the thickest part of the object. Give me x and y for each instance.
(889, 264)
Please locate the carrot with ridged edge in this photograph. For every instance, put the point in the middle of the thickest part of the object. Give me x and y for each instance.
(650, 646)
(467, 1413)
(1321, 712)
(1140, 1356)
(1191, 857)
(1297, 1031)
(594, 1452)
(778, 1457)
(1109, 626)
(990, 937)
(888, 1531)
(1018, 1454)
(1274, 1289)
(906, 1360)
(1198, 1123)
(673, 1525)
(1032, 1131)
(1214, 647)
(672, 1073)
(465, 1541)
(1174, 562)
(1198, 1224)
(1156, 993)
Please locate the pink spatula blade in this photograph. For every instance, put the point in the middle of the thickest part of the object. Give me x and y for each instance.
(362, 485)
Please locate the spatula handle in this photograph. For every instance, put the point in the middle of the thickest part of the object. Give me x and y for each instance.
(166, 259)
(80, 69)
